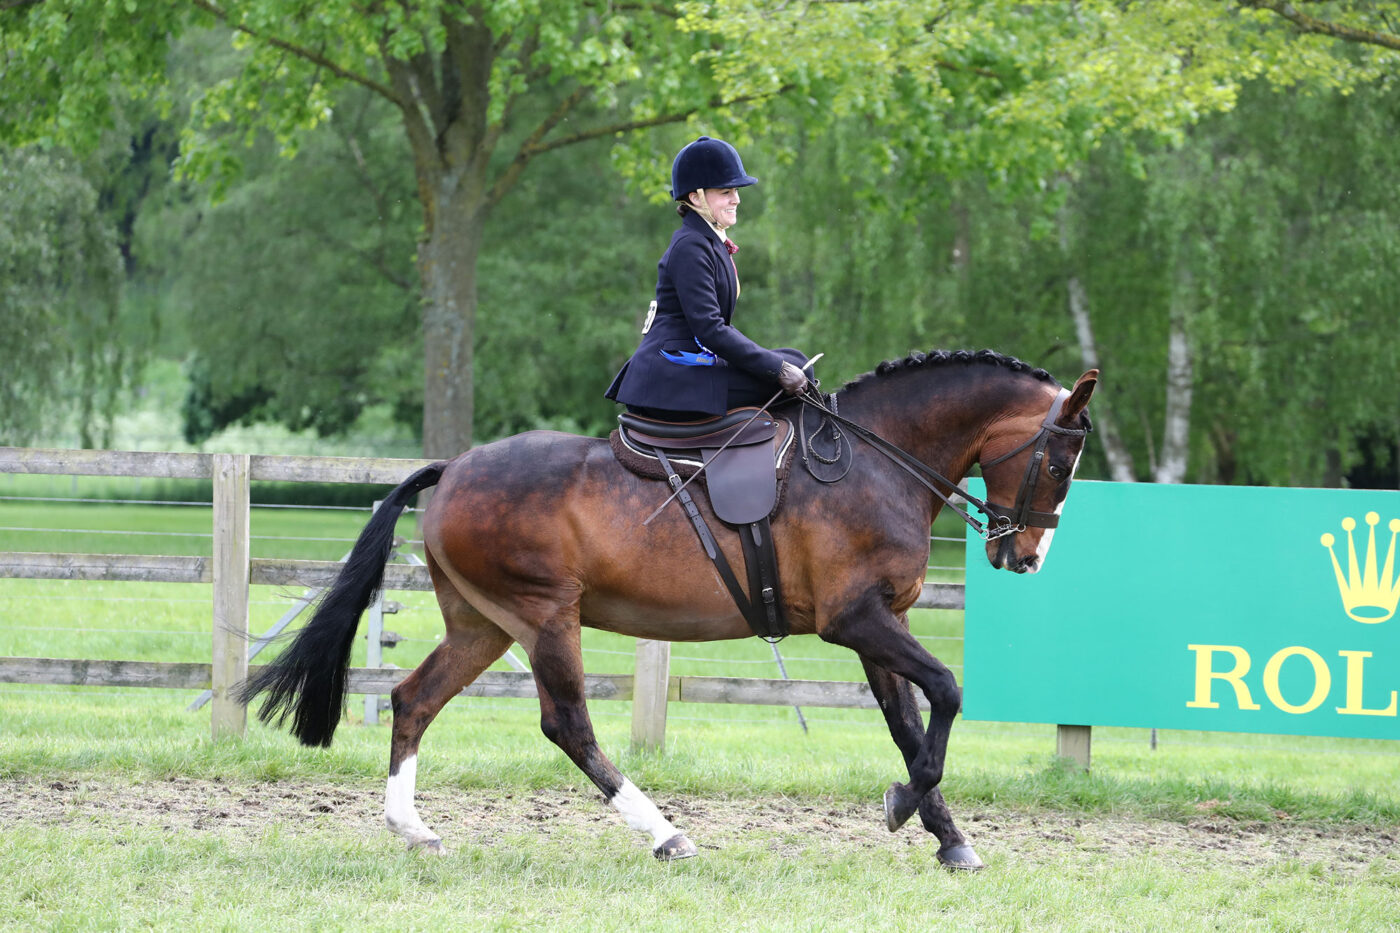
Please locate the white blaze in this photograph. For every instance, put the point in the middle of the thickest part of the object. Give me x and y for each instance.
(1043, 547)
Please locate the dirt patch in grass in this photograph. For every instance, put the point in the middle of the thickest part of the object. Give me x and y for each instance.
(793, 826)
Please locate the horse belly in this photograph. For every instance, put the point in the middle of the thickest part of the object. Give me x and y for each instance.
(543, 521)
(655, 581)
(701, 620)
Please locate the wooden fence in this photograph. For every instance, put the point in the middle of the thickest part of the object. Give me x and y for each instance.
(231, 570)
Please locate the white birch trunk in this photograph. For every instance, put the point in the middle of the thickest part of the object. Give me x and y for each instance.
(1176, 428)
(1120, 460)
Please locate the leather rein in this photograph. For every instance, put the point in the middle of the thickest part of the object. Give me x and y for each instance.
(1001, 520)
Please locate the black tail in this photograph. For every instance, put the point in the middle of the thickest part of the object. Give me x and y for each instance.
(307, 682)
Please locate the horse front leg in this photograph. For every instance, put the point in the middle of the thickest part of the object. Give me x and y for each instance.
(901, 710)
(884, 643)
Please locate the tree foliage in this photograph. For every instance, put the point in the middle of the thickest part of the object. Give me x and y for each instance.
(1019, 92)
(60, 284)
(1279, 210)
(295, 292)
(915, 156)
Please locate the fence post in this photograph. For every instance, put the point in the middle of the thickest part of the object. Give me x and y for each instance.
(650, 686)
(231, 576)
(1073, 742)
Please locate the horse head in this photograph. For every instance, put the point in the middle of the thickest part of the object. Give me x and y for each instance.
(1028, 462)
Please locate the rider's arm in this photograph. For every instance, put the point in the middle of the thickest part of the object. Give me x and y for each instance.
(694, 272)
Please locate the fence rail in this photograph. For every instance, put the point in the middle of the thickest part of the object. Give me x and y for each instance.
(232, 571)
(273, 572)
(262, 468)
(369, 680)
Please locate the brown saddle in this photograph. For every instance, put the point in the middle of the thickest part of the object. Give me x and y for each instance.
(744, 479)
(745, 454)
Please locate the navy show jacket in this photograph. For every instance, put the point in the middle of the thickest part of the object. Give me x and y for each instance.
(696, 287)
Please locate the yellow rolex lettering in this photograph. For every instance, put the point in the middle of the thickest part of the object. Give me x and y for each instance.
(1354, 707)
(1234, 677)
(1322, 679)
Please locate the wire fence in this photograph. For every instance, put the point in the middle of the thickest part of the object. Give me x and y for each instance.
(344, 539)
(25, 603)
(66, 523)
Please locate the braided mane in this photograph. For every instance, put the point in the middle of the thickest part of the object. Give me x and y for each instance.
(917, 360)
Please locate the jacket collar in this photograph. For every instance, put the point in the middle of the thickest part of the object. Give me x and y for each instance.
(695, 222)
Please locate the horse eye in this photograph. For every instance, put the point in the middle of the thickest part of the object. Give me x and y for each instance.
(1056, 472)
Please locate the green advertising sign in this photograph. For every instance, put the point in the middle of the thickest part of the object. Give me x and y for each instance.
(1240, 609)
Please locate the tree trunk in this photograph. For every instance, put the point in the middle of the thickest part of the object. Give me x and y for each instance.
(1226, 462)
(444, 103)
(1120, 460)
(1176, 428)
(447, 261)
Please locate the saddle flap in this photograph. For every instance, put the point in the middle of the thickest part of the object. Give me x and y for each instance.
(742, 483)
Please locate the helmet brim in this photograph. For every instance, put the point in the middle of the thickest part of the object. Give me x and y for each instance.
(743, 181)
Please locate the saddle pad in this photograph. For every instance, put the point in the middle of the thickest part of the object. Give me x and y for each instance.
(639, 460)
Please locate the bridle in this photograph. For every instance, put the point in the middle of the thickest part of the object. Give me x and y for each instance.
(1001, 520)
(1021, 516)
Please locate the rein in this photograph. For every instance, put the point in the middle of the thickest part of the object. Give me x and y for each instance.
(1002, 520)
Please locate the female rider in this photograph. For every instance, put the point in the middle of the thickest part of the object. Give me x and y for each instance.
(692, 363)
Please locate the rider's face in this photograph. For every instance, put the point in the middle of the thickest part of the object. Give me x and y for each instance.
(723, 204)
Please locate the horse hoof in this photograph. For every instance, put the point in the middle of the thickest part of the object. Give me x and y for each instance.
(675, 848)
(960, 858)
(898, 806)
(428, 847)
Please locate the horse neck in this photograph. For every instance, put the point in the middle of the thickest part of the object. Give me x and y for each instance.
(942, 416)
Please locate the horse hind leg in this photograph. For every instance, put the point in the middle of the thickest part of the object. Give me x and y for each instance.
(472, 644)
(558, 667)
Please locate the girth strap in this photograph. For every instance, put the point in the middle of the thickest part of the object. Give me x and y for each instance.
(764, 614)
(767, 617)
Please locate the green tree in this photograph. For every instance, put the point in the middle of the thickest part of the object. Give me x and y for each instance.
(296, 297)
(1268, 230)
(1255, 257)
(60, 288)
(1302, 347)
(293, 296)
(482, 90)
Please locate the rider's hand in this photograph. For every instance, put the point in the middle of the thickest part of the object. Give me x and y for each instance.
(792, 379)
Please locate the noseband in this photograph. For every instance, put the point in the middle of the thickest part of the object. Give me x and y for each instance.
(1021, 516)
(1002, 521)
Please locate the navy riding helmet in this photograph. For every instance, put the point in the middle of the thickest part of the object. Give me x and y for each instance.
(707, 163)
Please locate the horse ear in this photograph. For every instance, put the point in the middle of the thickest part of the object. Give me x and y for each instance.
(1078, 398)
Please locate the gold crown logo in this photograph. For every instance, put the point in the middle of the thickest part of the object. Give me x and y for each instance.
(1367, 596)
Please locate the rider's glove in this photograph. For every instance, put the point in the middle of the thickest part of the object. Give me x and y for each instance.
(792, 379)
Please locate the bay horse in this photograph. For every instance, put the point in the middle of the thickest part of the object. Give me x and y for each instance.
(531, 537)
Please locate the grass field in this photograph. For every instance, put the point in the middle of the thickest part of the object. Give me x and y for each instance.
(119, 812)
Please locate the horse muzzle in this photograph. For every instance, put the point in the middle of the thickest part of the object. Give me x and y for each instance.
(1004, 556)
